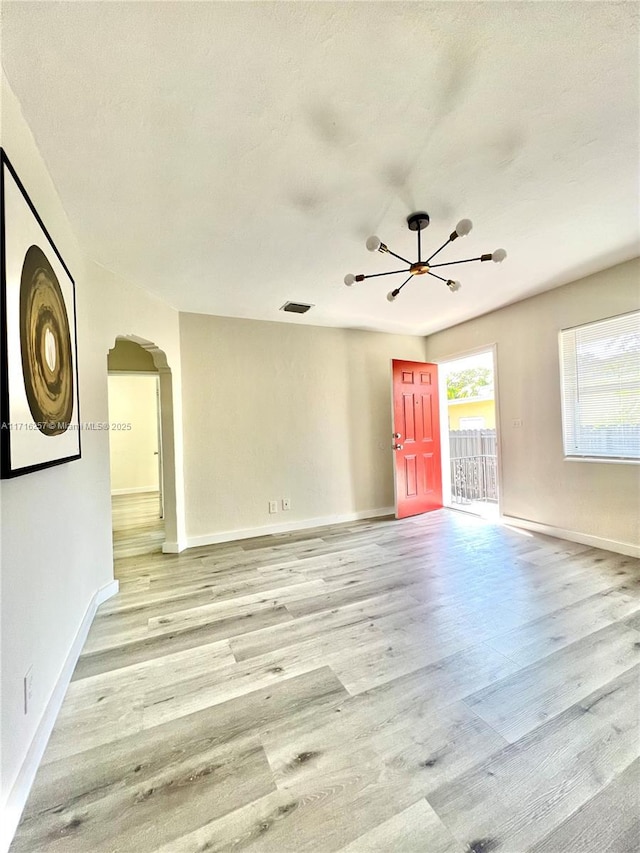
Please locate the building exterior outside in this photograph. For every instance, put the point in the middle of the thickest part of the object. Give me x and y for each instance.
(471, 413)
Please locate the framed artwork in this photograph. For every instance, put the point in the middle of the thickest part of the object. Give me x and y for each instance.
(39, 407)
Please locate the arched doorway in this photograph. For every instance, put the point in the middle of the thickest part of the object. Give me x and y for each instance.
(141, 447)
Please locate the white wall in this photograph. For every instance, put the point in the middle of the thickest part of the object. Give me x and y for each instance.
(276, 410)
(599, 499)
(56, 524)
(133, 437)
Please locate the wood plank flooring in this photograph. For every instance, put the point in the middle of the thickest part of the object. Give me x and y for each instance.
(136, 522)
(439, 684)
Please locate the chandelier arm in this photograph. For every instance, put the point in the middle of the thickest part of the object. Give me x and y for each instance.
(437, 276)
(450, 263)
(438, 250)
(399, 257)
(378, 274)
(404, 282)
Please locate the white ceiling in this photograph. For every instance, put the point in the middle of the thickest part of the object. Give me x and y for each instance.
(231, 156)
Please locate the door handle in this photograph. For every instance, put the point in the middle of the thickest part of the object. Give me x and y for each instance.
(397, 446)
(396, 435)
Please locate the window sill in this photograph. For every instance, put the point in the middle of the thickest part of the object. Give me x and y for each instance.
(610, 460)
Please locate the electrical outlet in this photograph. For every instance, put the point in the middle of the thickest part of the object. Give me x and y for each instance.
(286, 503)
(516, 423)
(27, 687)
(273, 506)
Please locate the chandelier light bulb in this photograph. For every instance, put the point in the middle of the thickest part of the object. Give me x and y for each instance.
(391, 296)
(498, 256)
(464, 227)
(454, 286)
(349, 280)
(373, 243)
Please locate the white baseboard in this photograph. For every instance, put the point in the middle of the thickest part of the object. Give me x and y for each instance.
(285, 527)
(626, 548)
(19, 793)
(138, 490)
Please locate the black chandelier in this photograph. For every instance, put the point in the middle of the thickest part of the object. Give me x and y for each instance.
(418, 222)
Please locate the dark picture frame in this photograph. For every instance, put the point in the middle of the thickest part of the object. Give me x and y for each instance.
(39, 396)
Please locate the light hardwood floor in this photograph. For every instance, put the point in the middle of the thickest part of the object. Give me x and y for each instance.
(137, 526)
(433, 685)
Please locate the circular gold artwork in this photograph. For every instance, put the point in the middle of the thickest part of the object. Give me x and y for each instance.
(46, 345)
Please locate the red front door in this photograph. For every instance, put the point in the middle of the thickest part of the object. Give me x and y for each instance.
(416, 427)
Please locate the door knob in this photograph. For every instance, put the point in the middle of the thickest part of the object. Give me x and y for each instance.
(397, 446)
(396, 435)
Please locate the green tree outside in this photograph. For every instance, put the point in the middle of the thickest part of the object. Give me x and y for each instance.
(471, 382)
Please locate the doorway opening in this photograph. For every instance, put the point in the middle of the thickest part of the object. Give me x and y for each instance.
(141, 429)
(469, 437)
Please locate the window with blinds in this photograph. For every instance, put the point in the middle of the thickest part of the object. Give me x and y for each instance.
(600, 379)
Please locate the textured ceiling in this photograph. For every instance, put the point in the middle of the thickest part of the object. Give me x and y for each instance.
(231, 156)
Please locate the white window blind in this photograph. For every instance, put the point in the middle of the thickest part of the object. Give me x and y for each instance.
(600, 377)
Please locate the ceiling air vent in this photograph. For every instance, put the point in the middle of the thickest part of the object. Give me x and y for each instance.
(296, 307)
